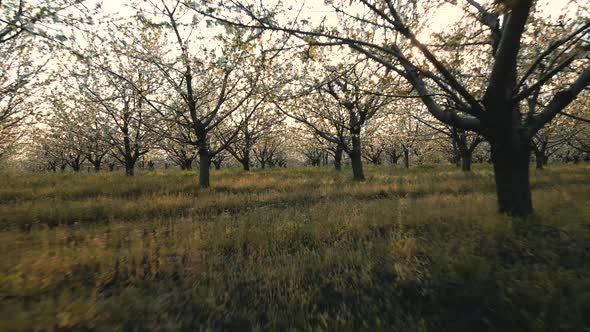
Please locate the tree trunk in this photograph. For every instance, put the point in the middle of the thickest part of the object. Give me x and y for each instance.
(129, 162)
(246, 163)
(393, 158)
(466, 160)
(338, 158)
(217, 164)
(456, 159)
(129, 168)
(406, 158)
(511, 171)
(204, 162)
(539, 160)
(97, 166)
(187, 165)
(356, 159)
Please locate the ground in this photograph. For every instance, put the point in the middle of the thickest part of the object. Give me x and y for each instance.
(302, 249)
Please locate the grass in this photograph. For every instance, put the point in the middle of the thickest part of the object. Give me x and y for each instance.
(294, 249)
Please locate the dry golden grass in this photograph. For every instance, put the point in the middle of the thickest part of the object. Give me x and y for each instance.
(307, 249)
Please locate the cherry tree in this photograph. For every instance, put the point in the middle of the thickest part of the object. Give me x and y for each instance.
(514, 67)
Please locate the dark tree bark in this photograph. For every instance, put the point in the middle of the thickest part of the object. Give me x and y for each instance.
(392, 155)
(373, 154)
(76, 167)
(466, 154)
(130, 167)
(130, 156)
(187, 164)
(204, 163)
(128, 159)
(511, 170)
(96, 160)
(356, 159)
(338, 158)
(541, 147)
(463, 149)
(456, 152)
(75, 161)
(183, 156)
(246, 162)
(314, 157)
(466, 161)
(406, 158)
(539, 160)
(242, 152)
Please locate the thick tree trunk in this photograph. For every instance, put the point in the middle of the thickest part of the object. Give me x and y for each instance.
(97, 166)
(338, 158)
(204, 163)
(357, 167)
(129, 168)
(511, 171)
(246, 163)
(356, 159)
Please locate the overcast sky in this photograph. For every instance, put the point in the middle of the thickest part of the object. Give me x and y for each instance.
(446, 16)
